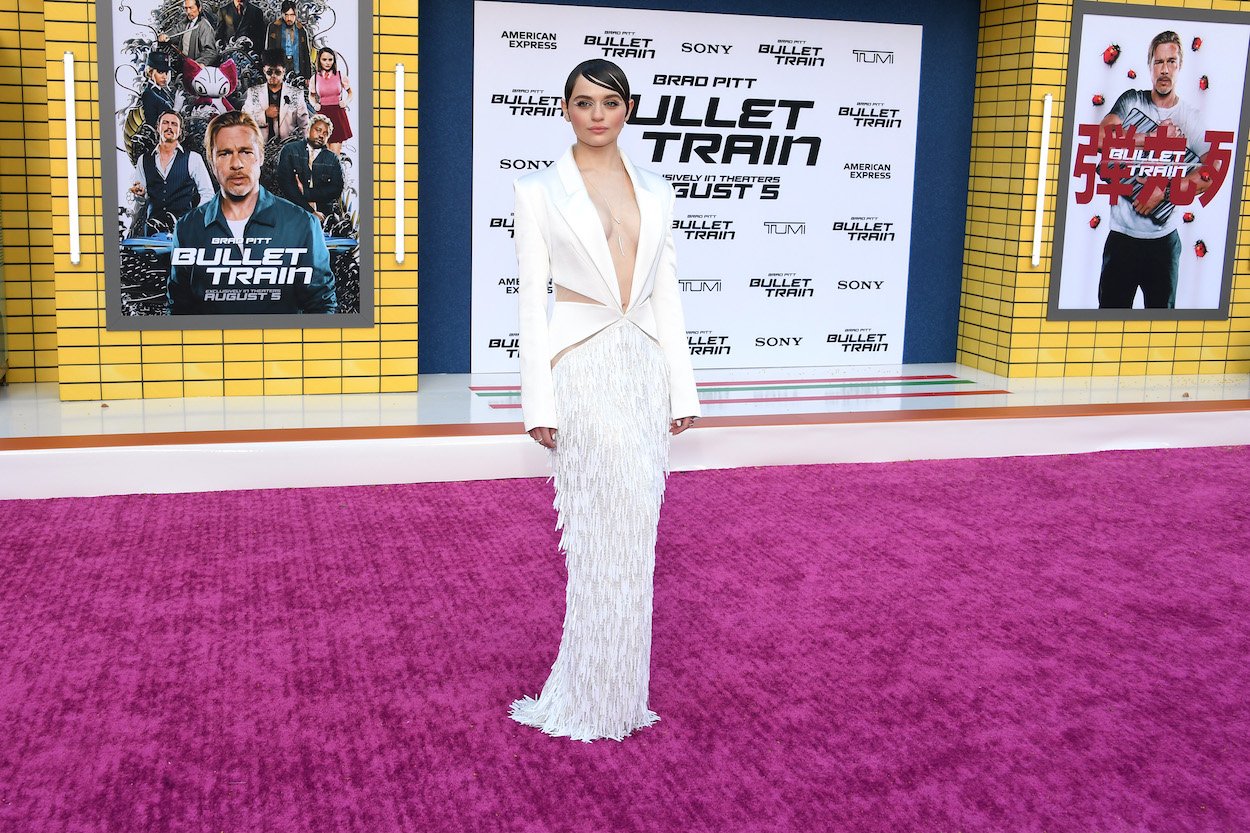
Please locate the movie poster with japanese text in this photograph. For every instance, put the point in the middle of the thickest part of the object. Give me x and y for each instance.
(1151, 167)
(237, 163)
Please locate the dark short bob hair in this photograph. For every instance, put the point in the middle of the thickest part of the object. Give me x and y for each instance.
(602, 73)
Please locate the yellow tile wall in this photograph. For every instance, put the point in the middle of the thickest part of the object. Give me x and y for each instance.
(97, 364)
(1022, 55)
(25, 194)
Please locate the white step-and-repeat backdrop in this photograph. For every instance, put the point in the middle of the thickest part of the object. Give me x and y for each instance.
(791, 144)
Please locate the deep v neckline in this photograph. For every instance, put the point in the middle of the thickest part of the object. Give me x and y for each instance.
(617, 225)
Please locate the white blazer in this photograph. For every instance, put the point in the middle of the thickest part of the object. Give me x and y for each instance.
(293, 115)
(559, 235)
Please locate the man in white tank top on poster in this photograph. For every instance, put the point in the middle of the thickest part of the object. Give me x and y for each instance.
(1143, 247)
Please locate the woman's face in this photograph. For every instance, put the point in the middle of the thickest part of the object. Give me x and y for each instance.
(596, 113)
(326, 60)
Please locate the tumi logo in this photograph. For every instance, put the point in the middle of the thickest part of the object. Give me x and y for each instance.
(780, 227)
(872, 56)
(778, 341)
(700, 284)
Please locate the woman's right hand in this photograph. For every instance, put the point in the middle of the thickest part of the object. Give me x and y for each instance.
(546, 437)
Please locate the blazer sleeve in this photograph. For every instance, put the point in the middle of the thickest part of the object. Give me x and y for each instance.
(538, 399)
(671, 324)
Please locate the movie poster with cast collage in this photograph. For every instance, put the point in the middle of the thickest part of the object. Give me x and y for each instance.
(1151, 164)
(237, 239)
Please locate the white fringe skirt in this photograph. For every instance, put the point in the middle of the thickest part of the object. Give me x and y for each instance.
(610, 461)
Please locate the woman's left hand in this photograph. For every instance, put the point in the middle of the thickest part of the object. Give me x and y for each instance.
(679, 425)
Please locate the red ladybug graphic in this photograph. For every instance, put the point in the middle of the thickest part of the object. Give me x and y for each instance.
(1200, 249)
(1203, 83)
(1132, 73)
(1094, 221)
(1111, 54)
(1098, 100)
(1196, 45)
(1188, 216)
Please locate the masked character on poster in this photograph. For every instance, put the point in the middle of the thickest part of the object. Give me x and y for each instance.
(247, 251)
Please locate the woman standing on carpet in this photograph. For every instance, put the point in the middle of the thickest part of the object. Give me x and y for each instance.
(604, 383)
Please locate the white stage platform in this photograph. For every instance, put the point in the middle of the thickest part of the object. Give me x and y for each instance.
(462, 427)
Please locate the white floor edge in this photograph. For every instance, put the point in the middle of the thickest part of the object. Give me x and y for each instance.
(217, 467)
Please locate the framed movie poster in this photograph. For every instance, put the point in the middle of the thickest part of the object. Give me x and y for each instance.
(237, 153)
(1152, 164)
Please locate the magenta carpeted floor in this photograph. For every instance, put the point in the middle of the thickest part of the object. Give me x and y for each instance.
(1056, 644)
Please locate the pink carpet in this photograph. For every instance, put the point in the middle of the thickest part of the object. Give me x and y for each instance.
(1056, 644)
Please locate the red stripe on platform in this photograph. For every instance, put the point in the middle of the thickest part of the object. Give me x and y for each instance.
(746, 382)
(785, 399)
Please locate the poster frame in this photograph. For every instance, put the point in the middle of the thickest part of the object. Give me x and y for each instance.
(1081, 9)
(362, 76)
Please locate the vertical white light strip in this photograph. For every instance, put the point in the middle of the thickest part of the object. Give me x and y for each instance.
(1042, 167)
(399, 163)
(71, 159)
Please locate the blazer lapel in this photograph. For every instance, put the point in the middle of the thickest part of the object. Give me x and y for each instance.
(650, 232)
(580, 213)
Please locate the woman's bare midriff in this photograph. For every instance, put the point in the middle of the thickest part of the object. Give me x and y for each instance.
(566, 295)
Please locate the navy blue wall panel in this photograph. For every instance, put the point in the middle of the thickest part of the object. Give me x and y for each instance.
(947, 78)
